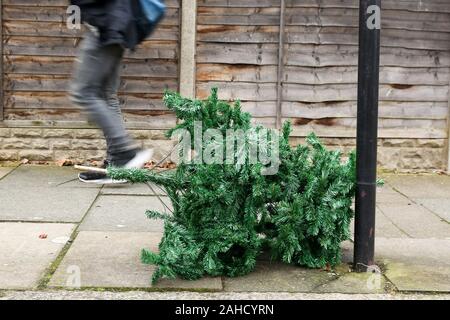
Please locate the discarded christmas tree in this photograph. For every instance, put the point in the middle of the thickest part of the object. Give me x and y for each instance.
(226, 213)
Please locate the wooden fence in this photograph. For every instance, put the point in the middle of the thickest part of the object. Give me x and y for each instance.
(238, 47)
(285, 59)
(38, 54)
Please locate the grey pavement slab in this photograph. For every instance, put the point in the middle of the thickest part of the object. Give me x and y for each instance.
(421, 186)
(112, 260)
(124, 213)
(345, 281)
(140, 189)
(383, 227)
(278, 277)
(24, 257)
(354, 283)
(44, 176)
(440, 207)
(416, 264)
(386, 194)
(5, 171)
(385, 190)
(23, 203)
(416, 221)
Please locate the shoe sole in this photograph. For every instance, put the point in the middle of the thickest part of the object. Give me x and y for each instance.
(103, 181)
(139, 160)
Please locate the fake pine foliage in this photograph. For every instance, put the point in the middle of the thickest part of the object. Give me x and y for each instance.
(310, 214)
(225, 215)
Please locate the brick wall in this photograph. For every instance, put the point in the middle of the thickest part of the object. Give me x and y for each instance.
(80, 145)
(414, 155)
(77, 145)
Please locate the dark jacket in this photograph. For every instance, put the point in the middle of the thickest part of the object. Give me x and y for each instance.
(118, 21)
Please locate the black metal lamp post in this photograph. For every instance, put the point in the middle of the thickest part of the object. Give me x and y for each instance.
(367, 133)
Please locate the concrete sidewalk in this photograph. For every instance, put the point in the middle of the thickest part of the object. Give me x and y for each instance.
(58, 234)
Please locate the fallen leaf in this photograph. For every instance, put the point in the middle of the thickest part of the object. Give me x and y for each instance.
(64, 163)
(149, 165)
(43, 236)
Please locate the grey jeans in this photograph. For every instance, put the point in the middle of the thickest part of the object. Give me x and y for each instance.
(94, 86)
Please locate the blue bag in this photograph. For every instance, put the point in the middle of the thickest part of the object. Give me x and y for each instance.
(154, 10)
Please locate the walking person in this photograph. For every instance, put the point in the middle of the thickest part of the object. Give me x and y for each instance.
(112, 27)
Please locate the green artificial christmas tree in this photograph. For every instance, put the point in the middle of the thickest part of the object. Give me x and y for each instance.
(225, 214)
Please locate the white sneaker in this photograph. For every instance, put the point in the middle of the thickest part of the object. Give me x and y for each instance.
(139, 160)
(98, 178)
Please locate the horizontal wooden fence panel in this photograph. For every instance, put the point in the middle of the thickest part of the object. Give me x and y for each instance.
(53, 14)
(406, 5)
(315, 56)
(64, 3)
(45, 65)
(71, 117)
(58, 100)
(56, 83)
(329, 17)
(57, 46)
(318, 76)
(58, 29)
(39, 52)
(348, 109)
(318, 35)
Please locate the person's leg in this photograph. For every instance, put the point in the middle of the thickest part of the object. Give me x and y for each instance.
(94, 87)
(111, 88)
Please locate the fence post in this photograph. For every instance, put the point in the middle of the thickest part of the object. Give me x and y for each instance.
(367, 132)
(280, 65)
(2, 99)
(188, 47)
